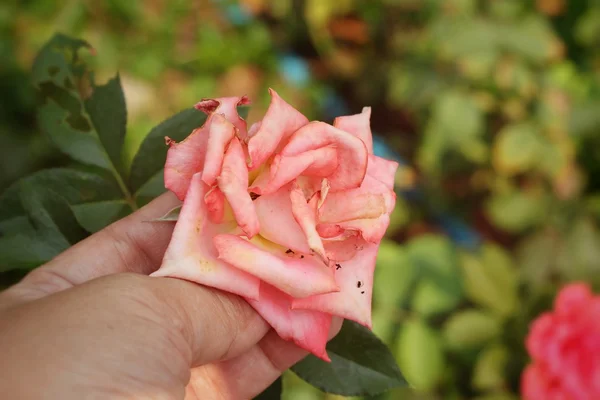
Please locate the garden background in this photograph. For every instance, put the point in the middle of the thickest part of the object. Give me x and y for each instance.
(491, 107)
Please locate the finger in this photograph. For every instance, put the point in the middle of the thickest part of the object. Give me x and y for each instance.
(248, 375)
(132, 244)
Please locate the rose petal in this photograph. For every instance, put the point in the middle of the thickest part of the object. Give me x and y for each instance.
(349, 205)
(372, 230)
(343, 250)
(277, 223)
(320, 163)
(228, 107)
(355, 279)
(383, 170)
(191, 254)
(306, 216)
(215, 205)
(221, 133)
(280, 121)
(184, 159)
(233, 182)
(307, 329)
(351, 152)
(358, 125)
(294, 276)
(572, 298)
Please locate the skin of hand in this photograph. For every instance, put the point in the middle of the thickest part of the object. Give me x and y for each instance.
(90, 324)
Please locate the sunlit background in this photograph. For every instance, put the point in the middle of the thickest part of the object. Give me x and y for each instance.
(492, 107)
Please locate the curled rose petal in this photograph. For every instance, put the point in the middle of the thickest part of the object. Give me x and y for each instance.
(358, 125)
(383, 170)
(351, 152)
(298, 277)
(277, 222)
(184, 159)
(215, 205)
(221, 133)
(306, 215)
(280, 121)
(320, 162)
(191, 254)
(307, 329)
(355, 279)
(228, 107)
(233, 182)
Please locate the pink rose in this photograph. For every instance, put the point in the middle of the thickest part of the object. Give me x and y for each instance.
(565, 349)
(288, 214)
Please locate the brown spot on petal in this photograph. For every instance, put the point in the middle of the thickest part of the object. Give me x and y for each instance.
(289, 251)
(337, 266)
(358, 284)
(254, 196)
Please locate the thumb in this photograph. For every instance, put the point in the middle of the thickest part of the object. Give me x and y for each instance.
(216, 325)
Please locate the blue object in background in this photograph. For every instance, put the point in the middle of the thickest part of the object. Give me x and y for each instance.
(236, 14)
(294, 69)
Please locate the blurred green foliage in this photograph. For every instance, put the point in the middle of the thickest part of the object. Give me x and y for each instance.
(493, 105)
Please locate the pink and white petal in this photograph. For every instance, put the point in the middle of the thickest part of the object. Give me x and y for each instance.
(351, 152)
(215, 204)
(296, 277)
(315, 163)
(277, 223)
(221, 133)
(228, 107)
(307, 329)
(280, 121)
(191, 254)
(359, 125)
(305, 215)
(349, 205)
(184, 159)
(355, 279)
(383, 170)
(328, 231)
(371, 200)
(372, 230)
(345, 249)
(233, 182)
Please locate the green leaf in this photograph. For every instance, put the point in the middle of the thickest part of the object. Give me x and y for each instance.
(273, 392)
(360, 365)
(150, 159)
(97, 215)
(516, 211)
(85, 121)
(108, 113)
(43, 213)
(470, 329)
(21, 251)
(517, 149)
(434, 258)
(59, 60)
(491, 280)
(51, 214)
(430, 299)
(490, 367)
(420, 355)
(71, 132)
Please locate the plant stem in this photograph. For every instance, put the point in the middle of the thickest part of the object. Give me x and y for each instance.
(128, 196)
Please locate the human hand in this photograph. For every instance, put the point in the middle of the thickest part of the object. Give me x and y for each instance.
(92, 324)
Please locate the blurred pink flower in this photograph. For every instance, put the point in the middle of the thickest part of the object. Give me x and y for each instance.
(288, 214)
(565, 349)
